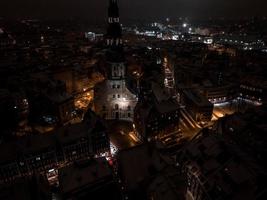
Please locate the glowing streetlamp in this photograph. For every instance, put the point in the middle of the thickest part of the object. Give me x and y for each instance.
(184, 25)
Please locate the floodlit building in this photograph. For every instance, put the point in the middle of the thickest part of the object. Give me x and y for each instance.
(113, 100)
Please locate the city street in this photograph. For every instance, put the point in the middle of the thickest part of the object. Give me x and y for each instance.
(119, 133)
(188, 125)
(229, 108)
(84, 100)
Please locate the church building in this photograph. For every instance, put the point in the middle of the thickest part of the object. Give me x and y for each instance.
(113, 100)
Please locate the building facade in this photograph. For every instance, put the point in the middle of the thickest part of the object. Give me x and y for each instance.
(157, 117)
(45, 153)
(197, 106)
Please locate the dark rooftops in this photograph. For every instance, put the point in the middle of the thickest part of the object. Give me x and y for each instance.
(139, 163)
(215, 160)
(33, 144)
(84, 173)
(197, 98)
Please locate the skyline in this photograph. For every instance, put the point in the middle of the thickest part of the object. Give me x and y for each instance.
(165, 104)
(90, 10)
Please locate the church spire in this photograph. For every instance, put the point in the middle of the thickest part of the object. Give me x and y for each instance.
(114, 31)
(113, 10)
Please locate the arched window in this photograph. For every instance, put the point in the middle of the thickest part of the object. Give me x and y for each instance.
(116, 106)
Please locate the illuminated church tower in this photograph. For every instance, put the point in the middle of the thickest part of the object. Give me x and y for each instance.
(113, 100)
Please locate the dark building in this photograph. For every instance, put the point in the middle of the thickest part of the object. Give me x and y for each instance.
(48, 98)
(88, 179)
(6, 40)
(158, 116)
(41, 153)
(219, 94)
(15, 107)
(253, 89)
(146, 174)
(217, 168)
(114, 32)
(248, 130)
(34, 188)
(197, 105)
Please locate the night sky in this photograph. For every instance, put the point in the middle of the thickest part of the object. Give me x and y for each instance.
(132, 9)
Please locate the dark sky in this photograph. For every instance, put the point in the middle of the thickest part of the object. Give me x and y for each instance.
(132, 9)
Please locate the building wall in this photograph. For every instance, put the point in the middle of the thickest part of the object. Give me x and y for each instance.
(43, 153)
(199, 112)
(113, 100)
(254, 93)
(155, 125)
(44, 160)
(65, 110)
(220, 94)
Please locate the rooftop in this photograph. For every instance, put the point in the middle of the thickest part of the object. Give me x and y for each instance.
(138, 164)
(33, 144)
(159, 92)
(83, 174)
(217, 162)
(197, 98)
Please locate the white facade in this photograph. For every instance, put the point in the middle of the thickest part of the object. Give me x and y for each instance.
(113, 100)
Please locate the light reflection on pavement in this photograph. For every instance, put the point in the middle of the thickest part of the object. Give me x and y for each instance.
(119, 134)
